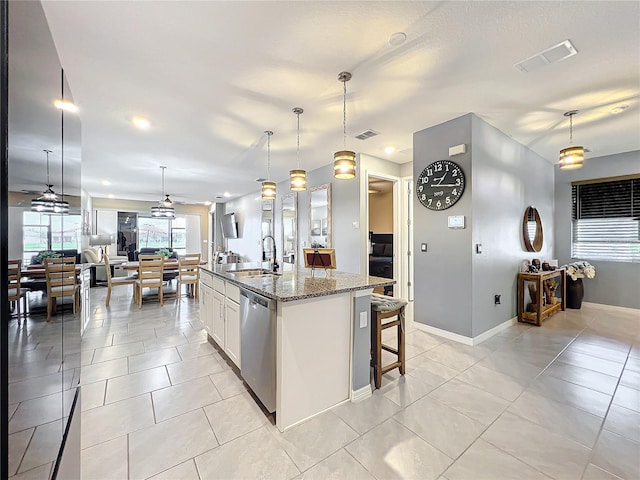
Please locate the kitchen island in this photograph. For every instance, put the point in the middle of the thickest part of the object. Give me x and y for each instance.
(319, 341)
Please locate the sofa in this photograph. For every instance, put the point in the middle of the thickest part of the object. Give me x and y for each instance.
(381, 257)
(153, 250)
(92, 255)
(63, 253)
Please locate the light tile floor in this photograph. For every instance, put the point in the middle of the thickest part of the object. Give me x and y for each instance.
(560, 401)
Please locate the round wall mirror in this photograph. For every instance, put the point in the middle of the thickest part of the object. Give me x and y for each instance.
(532, 230)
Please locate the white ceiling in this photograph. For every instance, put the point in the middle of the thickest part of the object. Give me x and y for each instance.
(212, 76)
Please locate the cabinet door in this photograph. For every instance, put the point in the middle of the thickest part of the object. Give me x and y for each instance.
(232, 331)
(205, 307)
(217, 328)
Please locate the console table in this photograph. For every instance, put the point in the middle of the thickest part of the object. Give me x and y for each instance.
(543, 307)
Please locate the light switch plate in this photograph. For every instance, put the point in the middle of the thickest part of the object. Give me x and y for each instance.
(423, 247)
(478, 248)
(363, 319)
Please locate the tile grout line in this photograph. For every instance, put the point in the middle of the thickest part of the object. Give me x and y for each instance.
(604, 419)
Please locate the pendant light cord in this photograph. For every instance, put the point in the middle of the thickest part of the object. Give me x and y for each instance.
(344, 114)
(298, 114)
(571, 129)
(48, 182)
(163, 180)
(268, 156)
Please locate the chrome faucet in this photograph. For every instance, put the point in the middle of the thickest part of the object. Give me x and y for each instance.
(273, 262)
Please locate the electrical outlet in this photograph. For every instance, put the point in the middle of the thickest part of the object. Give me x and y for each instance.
(363, 319)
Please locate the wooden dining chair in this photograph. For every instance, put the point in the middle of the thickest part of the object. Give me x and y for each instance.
(189, 274)
(116, 281)
(62, 281)
(150, 272)
(16, 292)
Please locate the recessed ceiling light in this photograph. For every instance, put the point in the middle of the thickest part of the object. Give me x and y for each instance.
(106, 182)
(65, 105)
(111, 195)
(141, 122)
(227, 194)
(619, 109)
(397, 39)
(390, 149)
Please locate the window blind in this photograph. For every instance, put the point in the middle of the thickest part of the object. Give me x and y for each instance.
(606, 220)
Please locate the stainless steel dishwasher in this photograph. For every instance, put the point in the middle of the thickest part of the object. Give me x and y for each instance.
(258, 346)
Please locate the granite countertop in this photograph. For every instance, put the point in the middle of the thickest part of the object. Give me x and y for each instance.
(297, 284)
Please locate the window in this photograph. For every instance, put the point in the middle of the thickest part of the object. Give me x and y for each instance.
(154, 232)
(179, 235)
(49, 232)
(606, 220)
(164, 233)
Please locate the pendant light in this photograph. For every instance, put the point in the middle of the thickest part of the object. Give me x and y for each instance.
(165, 207)
(49, 202)
(268, 187)
(297, 177)
(573, 156)
(344, 162)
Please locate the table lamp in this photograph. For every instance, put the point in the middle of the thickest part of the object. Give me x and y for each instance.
(101, 241)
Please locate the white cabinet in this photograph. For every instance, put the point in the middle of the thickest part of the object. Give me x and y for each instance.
(232, 330)
(220, 313)
(206, 307)
(217, 328)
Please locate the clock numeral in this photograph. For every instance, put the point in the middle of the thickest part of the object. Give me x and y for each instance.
(447, 200)
(455, 192)
(425, 180)
(429, 171)
(430, 201)
(439, 204)
(420, 188)
(455, 172)
(424, 197)
(438, 167)
(457, 182)
(446, 165)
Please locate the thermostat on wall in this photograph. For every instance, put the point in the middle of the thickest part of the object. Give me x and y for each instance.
(456, 221)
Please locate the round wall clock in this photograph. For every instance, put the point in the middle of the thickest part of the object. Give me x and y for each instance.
(440, 185)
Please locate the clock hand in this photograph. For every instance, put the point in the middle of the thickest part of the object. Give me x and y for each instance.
(445, 185)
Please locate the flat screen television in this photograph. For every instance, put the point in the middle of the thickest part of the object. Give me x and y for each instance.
(229, 226)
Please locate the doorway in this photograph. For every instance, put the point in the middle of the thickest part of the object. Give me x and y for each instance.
(383, 238)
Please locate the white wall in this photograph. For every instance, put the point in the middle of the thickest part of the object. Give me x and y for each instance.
(248, 212)
(616, 283)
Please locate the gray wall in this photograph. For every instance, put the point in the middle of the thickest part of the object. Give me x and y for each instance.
(616, 283)
(454, 286)
(507, 178)
(442, 275)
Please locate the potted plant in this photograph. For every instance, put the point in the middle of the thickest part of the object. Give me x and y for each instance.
(576, 271)
(163, 251)
(46, 254)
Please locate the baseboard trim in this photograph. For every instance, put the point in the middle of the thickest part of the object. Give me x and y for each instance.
(443, 333)
(361, 393)
(494, 331)
(463, 339)
(616, 307)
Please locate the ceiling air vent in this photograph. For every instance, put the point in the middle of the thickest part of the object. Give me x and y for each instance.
(367, 134)
(546, 57)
